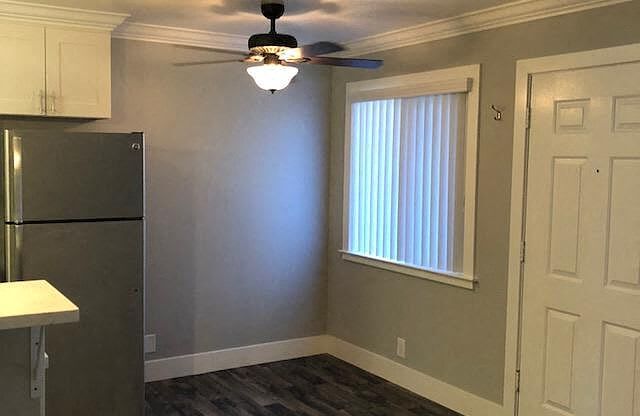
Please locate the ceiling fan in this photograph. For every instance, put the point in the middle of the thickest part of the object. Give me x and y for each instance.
(277, 53)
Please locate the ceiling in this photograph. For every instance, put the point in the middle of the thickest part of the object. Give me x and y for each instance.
(308, 20)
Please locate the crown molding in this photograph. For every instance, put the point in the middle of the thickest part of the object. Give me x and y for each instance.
(54, 15)
(490, 18)
(181, 36)
(494, 17)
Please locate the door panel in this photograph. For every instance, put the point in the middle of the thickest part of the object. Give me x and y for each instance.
(627, 114)
(565, 216)
(620, 369)
(22, 80)
(581, 294)
(78, 73)
(96, 366)
(623, 257)
(77, 176)
(559, 360)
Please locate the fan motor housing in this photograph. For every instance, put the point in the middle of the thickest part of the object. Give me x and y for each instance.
(271, 42)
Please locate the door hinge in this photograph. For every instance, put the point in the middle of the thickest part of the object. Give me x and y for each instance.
(527, 118)
(523, 251)
(517, 381)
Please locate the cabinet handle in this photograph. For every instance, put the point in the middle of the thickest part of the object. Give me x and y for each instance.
(43, 102)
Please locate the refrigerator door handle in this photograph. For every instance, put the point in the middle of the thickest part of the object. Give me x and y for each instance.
(13, 252)
(13, 177)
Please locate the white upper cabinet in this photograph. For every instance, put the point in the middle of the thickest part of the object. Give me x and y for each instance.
(56, 62)
(78, 73)
(22, 77)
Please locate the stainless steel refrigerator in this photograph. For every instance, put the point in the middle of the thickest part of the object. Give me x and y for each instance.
(74, 215)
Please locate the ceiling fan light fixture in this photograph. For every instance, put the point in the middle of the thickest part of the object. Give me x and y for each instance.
(275, 50)
(272, 77)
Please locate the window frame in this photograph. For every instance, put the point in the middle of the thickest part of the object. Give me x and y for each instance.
(443, 81)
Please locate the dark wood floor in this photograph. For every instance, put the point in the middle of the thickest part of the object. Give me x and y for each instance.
(312, 386)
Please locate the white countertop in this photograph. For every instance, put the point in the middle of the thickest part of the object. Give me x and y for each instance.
(32, 303)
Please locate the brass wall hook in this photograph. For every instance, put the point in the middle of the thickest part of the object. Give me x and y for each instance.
(498, 115)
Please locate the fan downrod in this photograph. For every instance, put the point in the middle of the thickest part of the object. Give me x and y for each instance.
(272, 42)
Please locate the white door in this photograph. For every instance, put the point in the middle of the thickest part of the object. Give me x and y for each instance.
(581, 300)
(22, 80)
(78, 73)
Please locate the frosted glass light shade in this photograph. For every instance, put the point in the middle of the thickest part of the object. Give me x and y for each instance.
(272, 77)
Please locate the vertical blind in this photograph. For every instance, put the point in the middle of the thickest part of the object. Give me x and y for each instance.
(406, 180)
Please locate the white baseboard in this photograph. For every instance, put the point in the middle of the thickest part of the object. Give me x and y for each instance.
(206, 362)
(435, 390)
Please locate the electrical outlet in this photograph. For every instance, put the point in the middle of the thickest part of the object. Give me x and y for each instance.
(150, 343)
(401, 348)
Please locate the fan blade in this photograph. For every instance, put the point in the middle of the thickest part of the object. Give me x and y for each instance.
(253, 59)
(308, 51)
(320, 48)
(349, 62)
(208, 62)
(209, 49)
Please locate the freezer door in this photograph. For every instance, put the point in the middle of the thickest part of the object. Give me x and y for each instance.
(96, 365)
(15, 374)
(53, 176)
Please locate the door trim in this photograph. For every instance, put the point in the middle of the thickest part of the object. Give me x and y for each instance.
(525, 69)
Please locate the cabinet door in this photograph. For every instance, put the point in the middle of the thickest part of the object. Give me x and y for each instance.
(78, 73)
(22, 79)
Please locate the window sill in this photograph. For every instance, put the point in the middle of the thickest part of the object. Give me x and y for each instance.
(448, 278)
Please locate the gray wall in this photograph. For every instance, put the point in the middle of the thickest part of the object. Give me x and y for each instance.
(236, 197)
(452, 334)
(237, 202)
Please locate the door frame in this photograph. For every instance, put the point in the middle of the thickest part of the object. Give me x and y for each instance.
(525, 69)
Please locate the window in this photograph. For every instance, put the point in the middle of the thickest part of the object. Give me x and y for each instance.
(410, 174)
